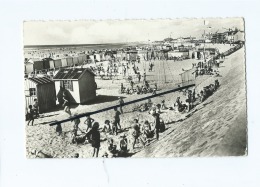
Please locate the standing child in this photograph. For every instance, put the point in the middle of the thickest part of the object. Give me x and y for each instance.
(30, 114)
(136, 133)
(123, 145)
(156, 124)
(163, 107)
(94, 137)
(121, 103)
(75, 129)
(66, 103)
(107, 127)
(36, 108)
(58, 129)
(114, 128)
(117, 117)
(89, 122)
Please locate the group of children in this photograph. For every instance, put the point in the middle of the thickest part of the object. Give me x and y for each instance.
(139, 89)
(193, 99)
(137, 134)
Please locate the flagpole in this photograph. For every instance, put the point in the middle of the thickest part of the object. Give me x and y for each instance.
(204, 42)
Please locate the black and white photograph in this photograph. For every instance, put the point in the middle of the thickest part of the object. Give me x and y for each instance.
(135, 88)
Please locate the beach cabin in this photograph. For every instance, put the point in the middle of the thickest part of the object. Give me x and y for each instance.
(80, 60)
(64, 62)
(188, 77)
(33, 64)
(75, 60)
(70, 61)
(46, 63)
(55, 63)
(79, 83)
(42, 89)
(97, 57)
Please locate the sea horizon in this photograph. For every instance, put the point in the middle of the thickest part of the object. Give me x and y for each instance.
(79, 45)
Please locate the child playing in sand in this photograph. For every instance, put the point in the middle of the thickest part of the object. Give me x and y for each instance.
(111, 149)
(107, 127)
(136, 122)
(89, 122)
(30, 114)
(147, 131)
(163, 107)
(158, 108)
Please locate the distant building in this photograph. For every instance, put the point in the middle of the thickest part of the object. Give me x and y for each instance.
(42, 89)
(239, 37)
(79, 83)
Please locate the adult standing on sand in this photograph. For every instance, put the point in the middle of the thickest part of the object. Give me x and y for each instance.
(66, 103)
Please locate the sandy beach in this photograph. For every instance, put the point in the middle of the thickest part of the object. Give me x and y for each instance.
(206, 130)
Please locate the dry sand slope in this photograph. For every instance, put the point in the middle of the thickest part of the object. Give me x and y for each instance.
(218, 127)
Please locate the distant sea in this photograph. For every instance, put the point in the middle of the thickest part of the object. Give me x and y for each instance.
(81, 46)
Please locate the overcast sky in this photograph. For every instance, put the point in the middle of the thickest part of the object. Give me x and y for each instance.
(95, 32)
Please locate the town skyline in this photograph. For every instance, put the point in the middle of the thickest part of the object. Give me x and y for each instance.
(121, 31)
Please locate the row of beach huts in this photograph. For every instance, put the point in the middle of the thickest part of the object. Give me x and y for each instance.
(32, 65)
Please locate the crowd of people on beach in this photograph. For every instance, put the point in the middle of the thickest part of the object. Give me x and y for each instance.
(138, 133)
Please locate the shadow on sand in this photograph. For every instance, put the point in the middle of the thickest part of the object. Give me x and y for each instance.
(102, 99)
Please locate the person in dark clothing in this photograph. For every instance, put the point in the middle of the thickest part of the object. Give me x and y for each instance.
(194, 95)
(58, 129)
(216, 84)
(132, 84)
(30, 114)
(94, 138)
(190, 100)
(117, 118)
(156, 124)
(139, 77)
(75, 129)
(123, 145)
(36, 108)
(136, 134)
(121, 103)
(122, 88)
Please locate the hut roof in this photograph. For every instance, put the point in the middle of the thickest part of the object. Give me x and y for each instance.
(72, 74)
(32, 60)
(41, 80)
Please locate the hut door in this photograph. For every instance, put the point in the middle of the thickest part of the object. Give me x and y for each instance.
(61, 84)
